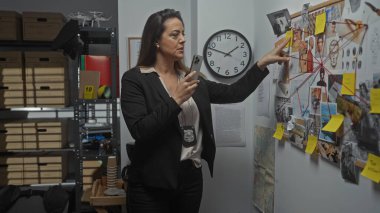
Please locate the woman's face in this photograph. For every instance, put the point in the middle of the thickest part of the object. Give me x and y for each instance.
(172, 41)
(320, 44)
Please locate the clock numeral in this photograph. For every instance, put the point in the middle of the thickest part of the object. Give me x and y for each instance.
(212, 45)
(245, 54)
(211, 63)
(236, 38)
(227, 35)
(209, 53)
(242, 63)
(218, 38)
(227, 72)
(218, 69)
(242, 45)
(236, 69)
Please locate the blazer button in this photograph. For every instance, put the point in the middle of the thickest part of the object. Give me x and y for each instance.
(212, 136)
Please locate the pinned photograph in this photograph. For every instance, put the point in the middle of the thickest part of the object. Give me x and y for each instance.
(297, 44)
(334, 86)
(333, 54)
(320, 44)
(333, 16)
(298, 135)
(348, 169)
(329, 152)
(327, 109)
(283, 109)
(310, 52)
(315, 98)
(305, 15)
(280, 21)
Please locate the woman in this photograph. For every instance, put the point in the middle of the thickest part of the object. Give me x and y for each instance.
(168, 113)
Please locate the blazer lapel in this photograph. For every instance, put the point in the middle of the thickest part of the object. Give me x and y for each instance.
(157, 85)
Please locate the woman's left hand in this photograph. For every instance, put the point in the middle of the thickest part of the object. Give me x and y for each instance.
(273, 56)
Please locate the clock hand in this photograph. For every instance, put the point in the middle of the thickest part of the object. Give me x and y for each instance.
(229, 53)
(218, 51)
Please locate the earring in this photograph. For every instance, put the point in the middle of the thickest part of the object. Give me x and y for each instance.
(157, 45)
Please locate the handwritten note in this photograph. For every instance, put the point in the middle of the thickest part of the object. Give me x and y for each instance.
(334, 123)
(311, 144)
(375, 100)
(279, 131)
(348, 84)
(320, 23)
(372, 168)
(289, 35)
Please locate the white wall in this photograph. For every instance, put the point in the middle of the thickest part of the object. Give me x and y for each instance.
(230, 190)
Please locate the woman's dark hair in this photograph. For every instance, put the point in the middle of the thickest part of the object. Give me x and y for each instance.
(153, 29)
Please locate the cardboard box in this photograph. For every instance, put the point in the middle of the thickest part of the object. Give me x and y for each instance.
(41, 26)
(92, 163)
(10, 59)
(17, 160)
(33, 134)
(45, 59)
(46, 102)
(11, 103)
(10, 26)
(45, 71)
(46, 86)
(4, 93)
(10, 68)
(89, 79)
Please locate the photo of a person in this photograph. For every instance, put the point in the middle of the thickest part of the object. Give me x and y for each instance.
(320, 46)
(280, 21)
(333, 15)
(310, 55)
(315, 98)
(333, 53)
(331, 29)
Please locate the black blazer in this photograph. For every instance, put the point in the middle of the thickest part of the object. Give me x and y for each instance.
(151, 116)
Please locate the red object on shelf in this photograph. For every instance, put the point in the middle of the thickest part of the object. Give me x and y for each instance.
(103, 65)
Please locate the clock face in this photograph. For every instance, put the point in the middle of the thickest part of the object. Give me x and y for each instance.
(227, 53)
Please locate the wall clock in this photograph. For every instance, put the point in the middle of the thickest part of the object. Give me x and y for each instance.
(227, 53)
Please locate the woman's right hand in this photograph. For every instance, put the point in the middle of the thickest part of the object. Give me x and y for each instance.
(273, 56)
(185, 88)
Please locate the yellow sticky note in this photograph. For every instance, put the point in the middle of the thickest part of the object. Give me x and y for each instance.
(289, 34)
(88, 92)
(348, 84)
(372, 168)
(311, 144)
(279, 131)
(320, 23)
(334, 123)
(375, 100)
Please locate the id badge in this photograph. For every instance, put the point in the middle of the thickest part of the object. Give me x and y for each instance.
(189, 137)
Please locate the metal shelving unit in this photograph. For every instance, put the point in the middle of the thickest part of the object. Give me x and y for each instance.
(86, 110)
(70, 149)
(82, 110)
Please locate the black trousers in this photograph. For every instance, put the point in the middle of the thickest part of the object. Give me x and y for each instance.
(186, 199)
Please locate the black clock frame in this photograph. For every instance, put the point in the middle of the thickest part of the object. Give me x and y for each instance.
(226, 31)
